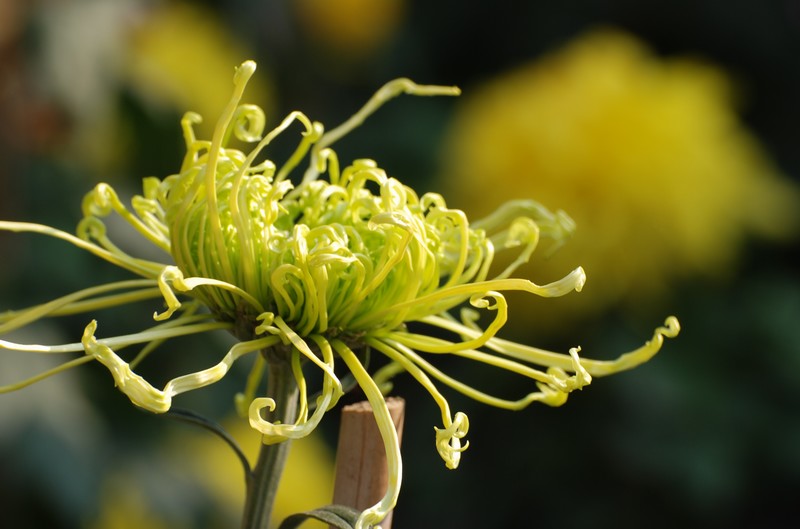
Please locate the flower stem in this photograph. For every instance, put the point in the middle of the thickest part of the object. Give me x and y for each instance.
(263, 481)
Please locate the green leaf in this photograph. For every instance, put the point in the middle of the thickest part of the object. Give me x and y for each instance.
(339, 516)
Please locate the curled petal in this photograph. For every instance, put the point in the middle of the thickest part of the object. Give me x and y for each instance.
(289, 336)
(138, 390)
(557, 226)
(555, 392)
(523, 231)
(286, 280)
(188, 121)
(102, 200)
(248, 123)
(434, 345)
(266, 319)
(420, 369)
(331, 391)
(173, 275)
(216, 153)
(387, 92)
(581, 377)
(598, 368)
(312, 133)
(548, 394)
(448, 440)
(443, 299)
(243, 73)
(272, 433)
(269, 431)
(392, 254)
(141, 392)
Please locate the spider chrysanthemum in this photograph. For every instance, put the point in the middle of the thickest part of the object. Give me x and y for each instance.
(317, 271)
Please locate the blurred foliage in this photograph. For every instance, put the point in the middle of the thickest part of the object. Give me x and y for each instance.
(705, 435)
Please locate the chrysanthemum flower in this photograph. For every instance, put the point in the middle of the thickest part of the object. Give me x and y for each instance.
(317, 272)
(647, 154)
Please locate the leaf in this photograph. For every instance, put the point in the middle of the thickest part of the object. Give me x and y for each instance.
(339, 516)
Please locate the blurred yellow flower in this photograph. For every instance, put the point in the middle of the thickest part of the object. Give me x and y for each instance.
(124, 506)
(216, 470)
(646, 154)
(180, 56)
(307, 481)
(353, 29)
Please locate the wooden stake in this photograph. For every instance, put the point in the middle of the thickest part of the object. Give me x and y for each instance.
(361, 472)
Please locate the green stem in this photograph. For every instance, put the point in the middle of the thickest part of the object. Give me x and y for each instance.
(263, 481)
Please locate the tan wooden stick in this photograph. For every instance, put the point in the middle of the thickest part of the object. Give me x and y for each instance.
(361, 472)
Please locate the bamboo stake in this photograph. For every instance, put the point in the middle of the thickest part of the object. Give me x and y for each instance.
(361, 472)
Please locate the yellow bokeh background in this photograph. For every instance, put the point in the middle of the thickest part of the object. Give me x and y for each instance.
(645, 153)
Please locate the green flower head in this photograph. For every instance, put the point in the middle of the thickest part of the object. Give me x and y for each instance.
(318, 271)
